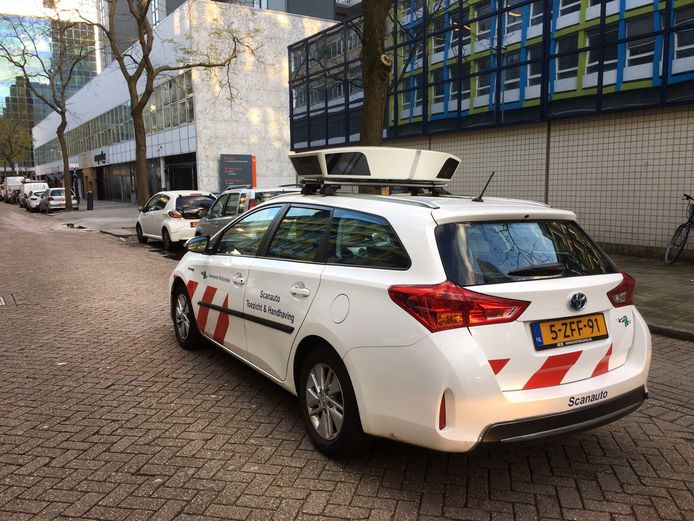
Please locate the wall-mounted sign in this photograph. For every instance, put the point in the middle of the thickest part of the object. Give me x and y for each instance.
(100, 157)
(236, 170)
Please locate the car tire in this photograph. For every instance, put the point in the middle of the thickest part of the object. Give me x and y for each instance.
(185, 326)
(166, 240)
(335, 435)
(140, 236)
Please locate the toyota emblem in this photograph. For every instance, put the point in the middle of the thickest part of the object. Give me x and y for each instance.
(578, 301)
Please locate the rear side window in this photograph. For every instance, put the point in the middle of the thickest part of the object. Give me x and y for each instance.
(359, 239)
(232, 205)
(190, 206)
(497, 252)
(300, 233)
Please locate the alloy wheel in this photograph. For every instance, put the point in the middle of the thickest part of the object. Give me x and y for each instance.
(182, 316)
(324, 401)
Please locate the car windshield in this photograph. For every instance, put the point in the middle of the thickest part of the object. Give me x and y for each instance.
(193, 206)
(58, 192)
(475, 253)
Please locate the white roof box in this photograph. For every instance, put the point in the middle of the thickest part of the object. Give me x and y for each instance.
(375, 166)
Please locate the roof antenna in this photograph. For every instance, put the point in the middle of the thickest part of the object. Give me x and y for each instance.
(479, 199)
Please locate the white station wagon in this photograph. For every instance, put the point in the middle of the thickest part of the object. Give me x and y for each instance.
(437, 320)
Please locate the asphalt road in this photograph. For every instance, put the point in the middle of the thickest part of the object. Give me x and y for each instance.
(104, 417)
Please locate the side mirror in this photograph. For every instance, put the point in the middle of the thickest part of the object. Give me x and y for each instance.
(198, 244)
(140, 208)
(204, 212)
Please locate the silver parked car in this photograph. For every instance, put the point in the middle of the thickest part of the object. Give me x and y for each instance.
(236, 201)
(54, 199)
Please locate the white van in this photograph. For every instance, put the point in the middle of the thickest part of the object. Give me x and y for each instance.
(27, 188)
(11, 187)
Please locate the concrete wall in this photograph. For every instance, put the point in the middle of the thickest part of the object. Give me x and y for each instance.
(256, 120)
(623, 174)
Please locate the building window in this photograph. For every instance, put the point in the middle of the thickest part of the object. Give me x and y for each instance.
(684, 38)
(610, 52)
(484, 26)
(155, 12)
(335, 90)
(535, 65)
(353, 40)
(569, 6)
(415, 95)
(512, 75)
(536, 13)
(335, 47)
(514, 20)
(483, 80)
(439, 87)
(641, 51)
(567, 66)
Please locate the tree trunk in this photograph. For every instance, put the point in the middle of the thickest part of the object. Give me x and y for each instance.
(141, 174)
(67, 175)
(375, 71)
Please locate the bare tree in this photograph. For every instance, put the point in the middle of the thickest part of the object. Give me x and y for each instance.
(49, 73)
(15, 141)
(140, 71)
(377, 64)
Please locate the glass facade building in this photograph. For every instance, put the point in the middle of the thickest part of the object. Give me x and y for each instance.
(17, 100)
(464, 64)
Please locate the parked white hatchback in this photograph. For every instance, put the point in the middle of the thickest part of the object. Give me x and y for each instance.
(436, 320)
(171, 217)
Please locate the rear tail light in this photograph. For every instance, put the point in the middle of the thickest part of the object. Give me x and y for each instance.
(251, 203)
(623, 294)
(447, 306)
(175, 214)
(50, 199)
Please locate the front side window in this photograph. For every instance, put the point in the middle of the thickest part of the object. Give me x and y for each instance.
(244, 236)
(218, 207)
(475, 253)
(299, 235)
(358, 239)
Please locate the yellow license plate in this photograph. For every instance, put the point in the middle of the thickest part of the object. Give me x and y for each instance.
(193, 224)
(568, 331)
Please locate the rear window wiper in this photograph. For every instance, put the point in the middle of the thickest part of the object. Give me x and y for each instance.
(539, 269)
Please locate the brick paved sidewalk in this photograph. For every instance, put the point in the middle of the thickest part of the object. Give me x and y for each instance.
(104, 417)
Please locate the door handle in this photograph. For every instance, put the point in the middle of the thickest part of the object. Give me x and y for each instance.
(238, 279)
(299, 290)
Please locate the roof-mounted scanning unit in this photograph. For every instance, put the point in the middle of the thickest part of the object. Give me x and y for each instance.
(374, 166)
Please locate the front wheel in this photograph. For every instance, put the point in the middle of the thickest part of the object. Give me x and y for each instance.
(679, 239)
(186, 329)
(140, 236)
(329, 406)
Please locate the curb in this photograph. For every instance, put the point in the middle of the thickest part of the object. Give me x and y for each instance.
(671, 332)
(119, 233)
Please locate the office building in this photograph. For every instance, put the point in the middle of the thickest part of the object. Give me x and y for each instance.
(584, 104)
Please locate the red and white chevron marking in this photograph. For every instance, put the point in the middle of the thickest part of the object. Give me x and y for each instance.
(558, 368)
(212, 323)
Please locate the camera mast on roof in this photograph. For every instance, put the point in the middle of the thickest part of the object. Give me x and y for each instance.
(373, 166)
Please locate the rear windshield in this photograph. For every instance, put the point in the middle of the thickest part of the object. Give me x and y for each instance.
(60, 191)
(191, 206)
(497, 252)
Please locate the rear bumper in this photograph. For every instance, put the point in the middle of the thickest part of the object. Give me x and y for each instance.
(583, 419)
(399, 392)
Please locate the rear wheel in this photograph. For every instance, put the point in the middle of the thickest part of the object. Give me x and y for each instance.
(186, 329)
(140, 236)
(679, 239)
(166, 239)
(328, 404)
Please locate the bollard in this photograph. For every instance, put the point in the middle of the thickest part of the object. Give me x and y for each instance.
(90, 201)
